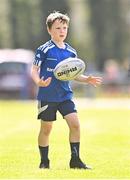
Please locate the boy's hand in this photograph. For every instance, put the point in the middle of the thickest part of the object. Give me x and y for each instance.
(95, 81)
(44, 83)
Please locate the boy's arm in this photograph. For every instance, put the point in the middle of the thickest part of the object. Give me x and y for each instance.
(39, 81)
(89, 79)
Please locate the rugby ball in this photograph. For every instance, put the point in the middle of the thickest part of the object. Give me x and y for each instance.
(69, 69)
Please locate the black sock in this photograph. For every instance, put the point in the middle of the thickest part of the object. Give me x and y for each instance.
(75, 149)
(44, 153)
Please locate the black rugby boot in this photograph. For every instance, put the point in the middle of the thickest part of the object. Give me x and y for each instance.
(76, 163)
(45, 165)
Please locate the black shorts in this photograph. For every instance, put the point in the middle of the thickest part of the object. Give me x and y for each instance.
(47, 110)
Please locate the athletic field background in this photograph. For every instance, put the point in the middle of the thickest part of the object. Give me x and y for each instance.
(105, 141)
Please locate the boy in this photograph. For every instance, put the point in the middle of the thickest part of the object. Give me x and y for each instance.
(55, 95)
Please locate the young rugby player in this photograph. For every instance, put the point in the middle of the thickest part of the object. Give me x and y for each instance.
(55, 95)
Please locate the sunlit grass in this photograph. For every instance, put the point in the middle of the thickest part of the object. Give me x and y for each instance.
(105, 143)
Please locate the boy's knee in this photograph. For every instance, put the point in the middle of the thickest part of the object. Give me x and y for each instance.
(75, 126)
(46, 130)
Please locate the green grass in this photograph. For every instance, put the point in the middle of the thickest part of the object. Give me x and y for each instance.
(105, 143)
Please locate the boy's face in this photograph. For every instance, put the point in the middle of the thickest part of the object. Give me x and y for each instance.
(58, 31)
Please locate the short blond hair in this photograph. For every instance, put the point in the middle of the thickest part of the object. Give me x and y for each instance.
(56, 15)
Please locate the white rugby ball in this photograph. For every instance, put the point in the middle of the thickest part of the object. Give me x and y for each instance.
(69, 69)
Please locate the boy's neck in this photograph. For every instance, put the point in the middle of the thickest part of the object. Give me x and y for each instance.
(59, 44)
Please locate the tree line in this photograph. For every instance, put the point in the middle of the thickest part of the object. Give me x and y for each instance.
(23, 26)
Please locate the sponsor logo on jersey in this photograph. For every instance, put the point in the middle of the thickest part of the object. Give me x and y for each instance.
(50, 69)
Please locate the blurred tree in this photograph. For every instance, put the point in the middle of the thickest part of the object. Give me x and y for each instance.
(5, 25)
(109, 29)
(49, 6)
(25, 18)
(80, 34)
(28, 28)
(23, 26)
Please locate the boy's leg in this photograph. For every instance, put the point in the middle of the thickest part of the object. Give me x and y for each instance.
(74, 126)
(45, 129)
(43, 142)
(74, 138)
(47, 114)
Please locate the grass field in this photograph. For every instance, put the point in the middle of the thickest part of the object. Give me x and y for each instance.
(105, 143)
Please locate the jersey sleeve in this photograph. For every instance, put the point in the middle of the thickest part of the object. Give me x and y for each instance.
(39, 57)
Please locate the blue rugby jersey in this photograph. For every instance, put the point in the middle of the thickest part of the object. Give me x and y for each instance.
(47, 56)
